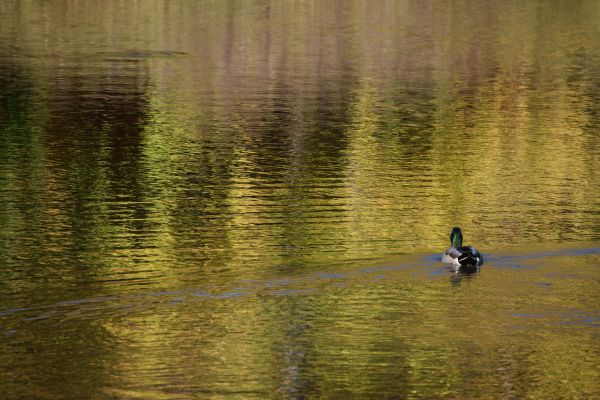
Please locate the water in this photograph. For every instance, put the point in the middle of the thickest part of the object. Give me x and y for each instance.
(229, 199)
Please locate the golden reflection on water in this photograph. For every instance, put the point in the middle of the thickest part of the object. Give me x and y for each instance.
(396, 331)
(191, 191)
(526, 326)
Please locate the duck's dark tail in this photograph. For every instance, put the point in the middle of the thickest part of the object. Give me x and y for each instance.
(469, 256)
(467, 259)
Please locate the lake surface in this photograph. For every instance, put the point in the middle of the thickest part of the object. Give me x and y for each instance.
(249, 199)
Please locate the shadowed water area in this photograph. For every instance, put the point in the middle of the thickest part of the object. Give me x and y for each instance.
(249, 199)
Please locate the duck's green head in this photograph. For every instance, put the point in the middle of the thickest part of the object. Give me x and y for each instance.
(456, 237)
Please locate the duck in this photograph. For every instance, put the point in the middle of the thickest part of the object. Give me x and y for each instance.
(461, 256)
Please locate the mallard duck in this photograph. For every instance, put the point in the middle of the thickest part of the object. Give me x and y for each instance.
(459, 255)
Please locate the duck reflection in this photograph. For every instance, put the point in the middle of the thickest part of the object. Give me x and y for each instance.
(462, 274)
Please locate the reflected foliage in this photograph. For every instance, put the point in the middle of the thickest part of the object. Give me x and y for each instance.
(174, 175)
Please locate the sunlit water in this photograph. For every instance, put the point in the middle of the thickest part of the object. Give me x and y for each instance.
(230, 199)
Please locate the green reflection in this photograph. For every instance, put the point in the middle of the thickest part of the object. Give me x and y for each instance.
(202, 146)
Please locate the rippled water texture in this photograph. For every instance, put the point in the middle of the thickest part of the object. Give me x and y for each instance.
(248, 199)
